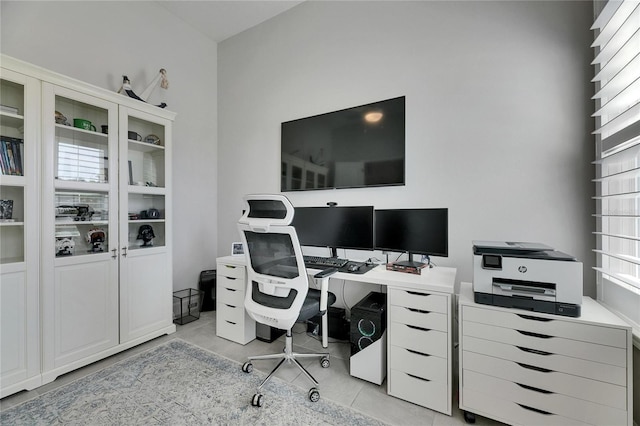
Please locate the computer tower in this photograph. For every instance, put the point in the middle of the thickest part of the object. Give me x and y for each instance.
(207, 284)
(368, 338)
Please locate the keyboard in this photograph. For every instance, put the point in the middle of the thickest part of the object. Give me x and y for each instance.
(320, 262)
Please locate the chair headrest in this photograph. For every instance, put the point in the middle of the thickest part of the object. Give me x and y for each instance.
(264, 210)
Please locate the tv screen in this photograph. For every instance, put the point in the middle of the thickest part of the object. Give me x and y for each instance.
(335, 227)
(351, 148)
(417, 231)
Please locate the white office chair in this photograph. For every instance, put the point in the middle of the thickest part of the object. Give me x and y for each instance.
(278, 291)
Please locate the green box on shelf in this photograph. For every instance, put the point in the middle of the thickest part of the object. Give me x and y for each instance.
(186, 305)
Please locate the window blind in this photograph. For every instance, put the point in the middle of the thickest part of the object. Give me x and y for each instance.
(617, 96)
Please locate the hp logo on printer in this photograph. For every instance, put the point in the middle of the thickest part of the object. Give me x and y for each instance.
(522, 269)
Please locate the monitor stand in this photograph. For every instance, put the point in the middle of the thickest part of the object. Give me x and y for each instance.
(413, 264)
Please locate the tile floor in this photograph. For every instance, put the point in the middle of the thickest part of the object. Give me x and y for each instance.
(335, 382)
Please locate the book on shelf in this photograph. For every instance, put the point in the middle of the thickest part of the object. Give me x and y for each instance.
(11, 153)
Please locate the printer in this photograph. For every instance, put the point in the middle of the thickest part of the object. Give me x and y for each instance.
(528, 276)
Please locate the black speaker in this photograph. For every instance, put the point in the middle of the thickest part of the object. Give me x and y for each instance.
(336, 319)
(207, 285)
(368, 321)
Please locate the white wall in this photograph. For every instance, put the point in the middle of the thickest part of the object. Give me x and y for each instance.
(98, 42)
(497, 98)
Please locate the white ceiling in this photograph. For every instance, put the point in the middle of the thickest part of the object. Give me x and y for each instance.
(221, 19)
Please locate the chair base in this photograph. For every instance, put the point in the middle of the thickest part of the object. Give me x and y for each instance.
(289, 356)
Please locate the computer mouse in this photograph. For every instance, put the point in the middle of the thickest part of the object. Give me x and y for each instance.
(353, 268)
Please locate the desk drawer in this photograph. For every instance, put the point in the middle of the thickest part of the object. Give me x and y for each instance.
(230, 282)
(232, 314)
(544, 325)
(418, 300)
(547, 343)
(430, 342)
(418, 364)
(430, 394)
(231, 271)
(420, 318)
(565, 364)
(230, 296)
(512, 412)
(547, 380)
(566, 406)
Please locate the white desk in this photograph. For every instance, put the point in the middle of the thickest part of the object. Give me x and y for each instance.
(419, 326)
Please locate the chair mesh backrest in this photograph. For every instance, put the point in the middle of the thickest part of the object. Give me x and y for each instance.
(277, 280)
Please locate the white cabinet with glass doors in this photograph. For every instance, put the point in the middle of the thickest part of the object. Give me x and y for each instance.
(106, 202)
(19, 231)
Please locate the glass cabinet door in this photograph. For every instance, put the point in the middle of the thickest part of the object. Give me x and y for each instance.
(80, 226)
(144, 180)
(82, 153)
(145, 210)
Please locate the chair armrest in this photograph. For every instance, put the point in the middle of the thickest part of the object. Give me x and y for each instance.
(322, 278)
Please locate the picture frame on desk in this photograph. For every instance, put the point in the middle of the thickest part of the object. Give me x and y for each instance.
(237, 249)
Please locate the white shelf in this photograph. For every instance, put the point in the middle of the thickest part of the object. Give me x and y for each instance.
(144, 146)
(11, 120)
(77, 133)
(16, 223)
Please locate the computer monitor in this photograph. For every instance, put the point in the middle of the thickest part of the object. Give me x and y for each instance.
(335, 227)
(416, 231)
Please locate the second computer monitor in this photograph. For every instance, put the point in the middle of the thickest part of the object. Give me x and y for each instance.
(335, 227)
(417, 231)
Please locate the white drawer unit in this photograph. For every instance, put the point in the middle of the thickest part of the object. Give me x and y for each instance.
(232, 321)
(419, 348)
(526, 368)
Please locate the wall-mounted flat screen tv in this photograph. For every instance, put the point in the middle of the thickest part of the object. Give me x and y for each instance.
(351, 148)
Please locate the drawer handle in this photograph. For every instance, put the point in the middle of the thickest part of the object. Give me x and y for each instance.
(420, 311)
(230, 266)
(531, 388)
(416, 352)
(531, 334)
(230, 289)
(415, 327)
(415, 293)
(536, 410)
(231, 306)
(530, 317)
(534, 351)
(231, 278)
(230, 322)
(418, 377)
(533, 367)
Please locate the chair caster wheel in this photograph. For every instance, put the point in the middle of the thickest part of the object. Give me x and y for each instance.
(324, 362)
(314, 395)
(247, 367)
(257, 400)
(469, 417)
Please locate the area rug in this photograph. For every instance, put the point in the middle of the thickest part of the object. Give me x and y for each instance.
(178, 384)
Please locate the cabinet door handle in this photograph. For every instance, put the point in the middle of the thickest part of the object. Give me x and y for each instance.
(531, 334)
(124, 251)
(534, 368)
(531, 388)
(230, 289)
(532, 318)
(415, 293)
(535, 410)
(420, 311)
(534, 351)
(231, 322)
(231, 306)
(416, 352)
(415, 327)
(417, 377)
(230, 267)
(115, 254)
(231, 278)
